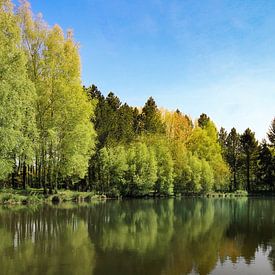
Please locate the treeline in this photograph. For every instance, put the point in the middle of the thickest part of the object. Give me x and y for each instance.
(252, 164)
(148, 150)
(54, 133)
(154, 150)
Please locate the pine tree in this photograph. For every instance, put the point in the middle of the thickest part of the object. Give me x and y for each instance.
(265, 167)
(151, 122)
(271, 133)
(203, 120)
(233, 154)
(249, 147)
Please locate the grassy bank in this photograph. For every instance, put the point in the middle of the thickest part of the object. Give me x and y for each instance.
(36, 196)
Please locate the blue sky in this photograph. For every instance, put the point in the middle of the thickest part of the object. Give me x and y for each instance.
(216, 57)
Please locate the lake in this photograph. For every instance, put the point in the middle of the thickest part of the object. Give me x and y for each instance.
(165, 236)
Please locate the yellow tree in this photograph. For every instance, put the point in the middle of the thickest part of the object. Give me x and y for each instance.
(178, 125)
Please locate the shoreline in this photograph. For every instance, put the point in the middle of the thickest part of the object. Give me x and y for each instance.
(36, 196)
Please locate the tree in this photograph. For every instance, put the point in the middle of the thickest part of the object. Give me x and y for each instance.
(195, 173)
(118, 169)
(222, 140)
(233, 154)
(203, 143)
(207, 176)
(63, 113)
(271, 133)
(151, 118)
(125, 125)
(165, 171)
(102, 170)
(142, 172)
(265, 166)
(17, 97)
(249, 148)
(177, 125)
(203, 120)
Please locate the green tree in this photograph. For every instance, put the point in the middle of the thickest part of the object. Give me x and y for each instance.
(17, 97)
(271, 133)
(203, 120)
(151, 121)
(118, 169)
(165, 171)
(233, 154)
(195, 173)
(207, 176)
(142, 171)
(265, 167)
(249, 148)
(125, 125)
(222, 140)
(63, 113)
(102, 170)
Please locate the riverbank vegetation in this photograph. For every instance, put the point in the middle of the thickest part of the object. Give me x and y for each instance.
(56, 134)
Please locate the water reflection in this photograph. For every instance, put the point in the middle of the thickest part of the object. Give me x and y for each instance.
(178, 236)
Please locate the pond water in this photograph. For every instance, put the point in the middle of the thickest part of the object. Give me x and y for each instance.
(166, 236)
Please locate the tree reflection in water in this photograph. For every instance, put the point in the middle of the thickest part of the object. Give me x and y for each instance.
(167, 236)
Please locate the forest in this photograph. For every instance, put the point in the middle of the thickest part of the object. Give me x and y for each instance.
(57, 134)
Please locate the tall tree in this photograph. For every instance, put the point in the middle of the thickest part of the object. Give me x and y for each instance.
(249, 147)
(222, 139)
(17, 97)
(151, 118)
(66, 134)
(125, 125)
(271, 133)
(232, 154)
(265, 167)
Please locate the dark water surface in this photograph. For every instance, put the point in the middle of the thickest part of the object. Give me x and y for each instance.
(168, 236)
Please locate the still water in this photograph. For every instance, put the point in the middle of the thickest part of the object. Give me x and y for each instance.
(167, 236)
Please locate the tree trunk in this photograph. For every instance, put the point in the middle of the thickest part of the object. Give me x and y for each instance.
(248, 172)
(24, 176)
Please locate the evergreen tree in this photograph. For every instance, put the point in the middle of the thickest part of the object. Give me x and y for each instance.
(265, 167)
(271, 133)
(125, 125)
(203, 120)
(222, 140)
(249, 148)
(233, 154)
(151, 122)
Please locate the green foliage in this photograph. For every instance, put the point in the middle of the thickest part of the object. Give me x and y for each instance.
(165, 170)
(54, 133)
(271, 133)
(249, 147)
(203, 143)
(114, 122)
(203, 120)
(265, 169)
(151, 118)
(17, 95)
(233, 155)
